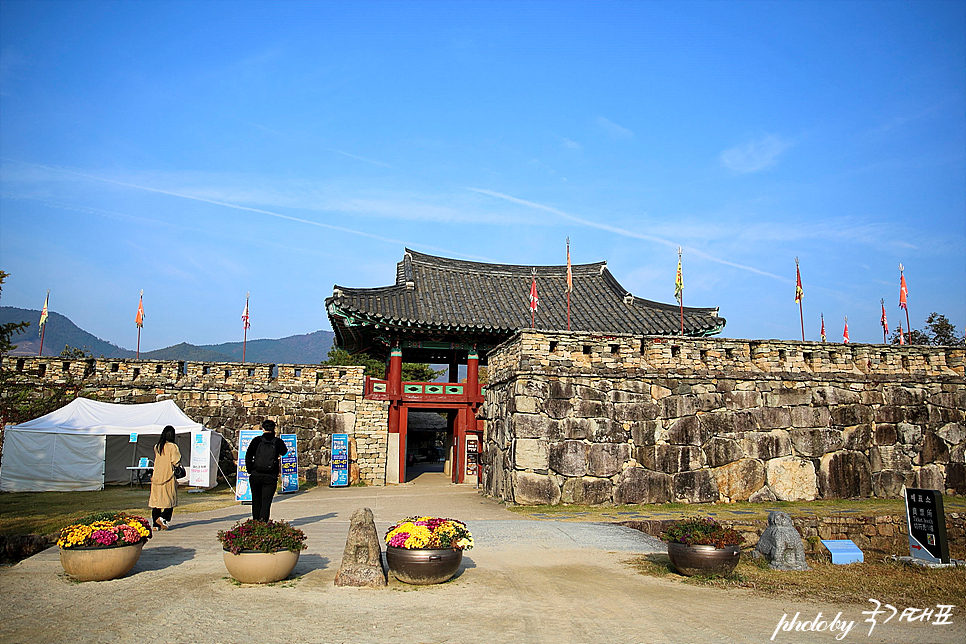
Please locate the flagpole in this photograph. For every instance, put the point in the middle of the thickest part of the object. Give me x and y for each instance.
(569, 283)
(245, 339)
(43, 324)
(533, 310)
(905, 304)
(140, 321)
(882, 300)
(681, 292)
(798, 296)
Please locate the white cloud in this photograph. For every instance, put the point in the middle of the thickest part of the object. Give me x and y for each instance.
(755, 155)
(613, 129)
(570, 145)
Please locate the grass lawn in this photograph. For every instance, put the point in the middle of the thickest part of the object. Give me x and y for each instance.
(889, 582)
(48, 512)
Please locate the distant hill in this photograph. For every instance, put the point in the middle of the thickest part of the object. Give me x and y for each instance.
(60, 333)
(308, 348)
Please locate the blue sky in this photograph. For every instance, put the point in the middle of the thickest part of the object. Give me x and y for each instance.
(202, 150)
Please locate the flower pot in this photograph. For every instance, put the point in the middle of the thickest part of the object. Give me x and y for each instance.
(423, 566)
(251, 567)
(703, 560)
(100, 564)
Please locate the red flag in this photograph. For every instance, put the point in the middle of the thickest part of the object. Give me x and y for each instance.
(903, 291)
(845, 334)
(139, 318)
(798, 284)
(245, 315)
(883, 321)
(823, 327)
(533, 294)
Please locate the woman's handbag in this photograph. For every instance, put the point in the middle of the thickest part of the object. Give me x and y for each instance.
(179, 472)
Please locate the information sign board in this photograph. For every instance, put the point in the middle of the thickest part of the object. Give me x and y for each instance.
(243, 492)
(290, 464)
(340, 460)
(927, 525)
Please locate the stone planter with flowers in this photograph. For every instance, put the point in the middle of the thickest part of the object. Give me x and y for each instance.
(261, 552)
(103, 546)
(426, 550)
(702, 547)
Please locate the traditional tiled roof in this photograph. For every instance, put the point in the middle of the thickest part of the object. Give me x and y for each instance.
(441, 298)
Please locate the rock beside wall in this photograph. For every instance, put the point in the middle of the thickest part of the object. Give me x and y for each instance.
(621, 420)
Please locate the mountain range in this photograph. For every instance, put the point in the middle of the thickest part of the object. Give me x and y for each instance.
(308, 348)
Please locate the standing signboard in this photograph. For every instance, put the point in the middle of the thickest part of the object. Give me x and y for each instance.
(290, 464)
(243, 493)
(205, 447)
(927, 525)
(340, 460)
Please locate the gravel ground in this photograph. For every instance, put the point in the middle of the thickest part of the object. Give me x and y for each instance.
(525, 581)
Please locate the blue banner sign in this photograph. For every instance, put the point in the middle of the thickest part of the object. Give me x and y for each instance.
(243, 492)
(290, 464)
(340, 460)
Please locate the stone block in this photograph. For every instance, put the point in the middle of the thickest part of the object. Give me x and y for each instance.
(362, 557)
(934, 450)
(952, 433)
(833, 396)
(772, 417)
(902, 396)
(524, 405)
(889, 457)
(531, 454)
(699, 486)
(561, 390)
(889, 414)
(720, 451)
(577, 428)
(726, 422)
(671, 458)
(593, 409)
(909, 434)
(787, 397)
(688, 431)
(607, 459)
(858, 438)
(956, 478)
(888, 484)
(533, 387)
(885, 434)
(568, 458)
(767, 445)
(645, 432)
(531, 426)
(587, 491)
(636, 412)
(605, 430)
(639, 485)
(535, 489)
(791, 478)
(737, 481)
(845, 475)
(741, 399)
(931, 477)
(809, 416)
(852, 414)
(658, 392)
(815, 441)
(678, 406)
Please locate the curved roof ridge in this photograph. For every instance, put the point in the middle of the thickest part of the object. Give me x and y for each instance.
(464, 265)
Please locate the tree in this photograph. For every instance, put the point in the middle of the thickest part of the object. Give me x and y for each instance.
(21, 397)
(939, 331)
(411, 371)
(8, 330)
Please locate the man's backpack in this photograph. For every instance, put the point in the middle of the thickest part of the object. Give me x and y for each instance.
(265, 457)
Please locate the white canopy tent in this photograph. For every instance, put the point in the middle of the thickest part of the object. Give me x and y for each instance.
(86, 444)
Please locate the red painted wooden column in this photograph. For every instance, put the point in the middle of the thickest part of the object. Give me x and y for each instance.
(395, 408)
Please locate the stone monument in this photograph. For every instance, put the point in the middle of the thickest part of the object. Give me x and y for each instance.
(781, 544)
(362, 557)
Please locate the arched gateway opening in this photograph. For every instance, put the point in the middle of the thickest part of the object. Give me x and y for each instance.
(453, 312)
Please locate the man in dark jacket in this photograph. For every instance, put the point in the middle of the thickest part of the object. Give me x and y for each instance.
(263, 468)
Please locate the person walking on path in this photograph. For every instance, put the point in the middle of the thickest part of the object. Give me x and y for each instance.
(164, 486)
(262, 460)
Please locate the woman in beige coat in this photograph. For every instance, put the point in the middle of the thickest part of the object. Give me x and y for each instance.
(164, 487)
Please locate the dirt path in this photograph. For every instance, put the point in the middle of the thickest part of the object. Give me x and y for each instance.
(525, 581)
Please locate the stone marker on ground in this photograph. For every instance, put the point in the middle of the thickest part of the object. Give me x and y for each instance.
(781, 544)
(362, 557)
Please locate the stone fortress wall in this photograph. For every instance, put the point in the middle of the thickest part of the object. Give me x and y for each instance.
(586, 418)
(311, 401)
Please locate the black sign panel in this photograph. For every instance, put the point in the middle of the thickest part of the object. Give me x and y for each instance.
(927, 525)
